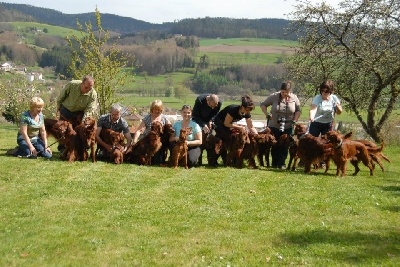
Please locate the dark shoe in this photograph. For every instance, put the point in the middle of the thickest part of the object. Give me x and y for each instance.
(12, 152)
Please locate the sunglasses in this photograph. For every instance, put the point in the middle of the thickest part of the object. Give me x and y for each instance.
(325, 91)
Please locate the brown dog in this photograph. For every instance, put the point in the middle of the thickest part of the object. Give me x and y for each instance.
(238, 138)
(117, 155)
(145, 149)
(168, 131)
(250, 150)
(374, 152)
(68, 135)
(116, 140)
(311, 150)
(180, 150)
(212, 145)
(345, 150)
(85, 139)
(264, 149)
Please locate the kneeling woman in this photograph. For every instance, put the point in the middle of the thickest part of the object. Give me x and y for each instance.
(32, 138)
(194, 139)
(225, 119)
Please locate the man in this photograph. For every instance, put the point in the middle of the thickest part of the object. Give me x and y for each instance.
(115, 122)
(205, 108)
(77, 99)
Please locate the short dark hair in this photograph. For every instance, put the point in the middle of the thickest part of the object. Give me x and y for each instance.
(327, 84)
(247, 102)
(287, 85)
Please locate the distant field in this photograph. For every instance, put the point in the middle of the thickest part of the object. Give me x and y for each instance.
(235, 56)
(248, 42)
(22, 28)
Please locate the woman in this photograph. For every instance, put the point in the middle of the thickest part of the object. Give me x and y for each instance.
(323, 109)
(155, 114)
(194, 139)
(225, 119)
(285, 111)
(32, 137)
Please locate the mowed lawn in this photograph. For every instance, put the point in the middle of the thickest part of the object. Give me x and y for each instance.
(99, 214)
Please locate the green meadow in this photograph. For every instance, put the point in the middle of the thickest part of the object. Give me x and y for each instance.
(248, 42)
(101, 214)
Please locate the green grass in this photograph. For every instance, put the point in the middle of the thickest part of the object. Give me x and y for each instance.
(228, 59)
(21, 28)
(249, 42)
(84, 214)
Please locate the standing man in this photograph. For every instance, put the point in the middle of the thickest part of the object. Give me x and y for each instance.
(205, 108)
(115, 122)
(77, 99)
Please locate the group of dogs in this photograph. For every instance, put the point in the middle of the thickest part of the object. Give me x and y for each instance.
(238, 146)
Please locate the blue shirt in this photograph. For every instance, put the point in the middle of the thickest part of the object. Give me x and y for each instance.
(195, 129)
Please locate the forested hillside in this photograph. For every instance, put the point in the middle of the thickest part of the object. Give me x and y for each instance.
(202, 27)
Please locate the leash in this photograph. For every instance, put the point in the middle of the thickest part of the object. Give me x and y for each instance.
(62, 137)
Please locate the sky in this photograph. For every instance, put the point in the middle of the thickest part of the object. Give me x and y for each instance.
(159, 11)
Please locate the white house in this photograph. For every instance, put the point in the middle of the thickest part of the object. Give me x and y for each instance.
(6, 66)
(34, 76)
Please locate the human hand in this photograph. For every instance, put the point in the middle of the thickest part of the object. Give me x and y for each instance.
(206, 129)
(33, 152)
(269, 116)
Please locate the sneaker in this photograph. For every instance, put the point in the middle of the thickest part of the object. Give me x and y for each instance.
(12, 152)
(283, 167)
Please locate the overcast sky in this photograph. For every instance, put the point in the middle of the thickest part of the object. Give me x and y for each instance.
(159, 11)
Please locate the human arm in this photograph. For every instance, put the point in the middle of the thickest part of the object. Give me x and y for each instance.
(43, 136)
(250, 126)
(138, 132)
(91, 107)
(24, 132)
(99, 141)
(197, 140)
(264, 108)
(313, 111)
(228, 122)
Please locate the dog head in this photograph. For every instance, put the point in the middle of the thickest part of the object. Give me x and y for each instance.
(157, 127)
(63, 128)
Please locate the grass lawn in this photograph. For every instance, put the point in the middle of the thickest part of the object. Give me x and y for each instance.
(84, 214)
(248, 42)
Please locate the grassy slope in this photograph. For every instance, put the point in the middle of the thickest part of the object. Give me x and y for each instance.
(85, 214)
(21, 27)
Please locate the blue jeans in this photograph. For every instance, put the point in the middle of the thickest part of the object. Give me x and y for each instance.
(24, 151)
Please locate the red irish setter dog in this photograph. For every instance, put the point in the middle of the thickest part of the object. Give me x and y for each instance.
(85, 139)
(374, 152)
(250, 150)
(212, 144)
(180, 150)
(348, 150)
(64, 130)
(116, 140)
(264, 149)
(168, 131)
(238, 138)
(146, 148)
(311, 150)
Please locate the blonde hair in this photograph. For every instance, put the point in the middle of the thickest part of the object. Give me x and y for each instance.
(36, 102)
(156, 104)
